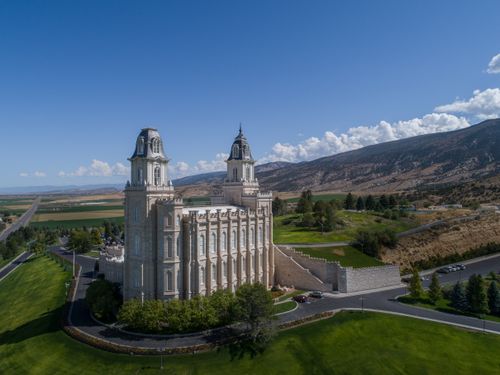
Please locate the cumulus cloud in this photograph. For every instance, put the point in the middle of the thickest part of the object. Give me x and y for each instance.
(482, 105)
(362, 136)
(181, 169)
(24, 174)
(494, 65)
(98, 168)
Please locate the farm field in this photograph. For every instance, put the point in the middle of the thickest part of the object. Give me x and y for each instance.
(349, 343)
(69, 224)
(286, 230)
(347, 256)
(62, 216)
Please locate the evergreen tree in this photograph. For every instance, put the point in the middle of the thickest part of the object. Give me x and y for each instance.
(329, 218)
(370, 203)
(476, 295)
(458, 298)
(305, 202)
(349, 202)
(435, 292)
(392, 201)
(360, 204)
(494, 298)
(279, 206)
(415, 286)
(384, 203)
(307, 220)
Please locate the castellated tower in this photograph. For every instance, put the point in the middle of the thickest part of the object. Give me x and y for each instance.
(148, 184)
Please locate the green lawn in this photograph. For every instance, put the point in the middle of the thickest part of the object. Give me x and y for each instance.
(348, 256)
(444, 305)
(350, 343)
(68, 224)
(290, 233)
(285, 306)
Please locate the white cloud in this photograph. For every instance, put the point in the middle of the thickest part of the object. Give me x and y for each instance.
(361, 136)
(98, 168)
(24, 174)
(39, 174)
(494, 65)
(482, 105)
(181, 169)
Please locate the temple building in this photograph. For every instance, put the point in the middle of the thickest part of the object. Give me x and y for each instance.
(174, 250)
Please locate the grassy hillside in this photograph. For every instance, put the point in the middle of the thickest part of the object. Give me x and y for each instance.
(350, 343)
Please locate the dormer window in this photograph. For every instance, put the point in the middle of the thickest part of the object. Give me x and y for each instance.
(140, 146)
(236, 151)
(155, 145)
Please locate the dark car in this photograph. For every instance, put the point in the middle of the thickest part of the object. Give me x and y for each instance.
(443, 270)
(461, 267)
(300, 298)
(316, 294)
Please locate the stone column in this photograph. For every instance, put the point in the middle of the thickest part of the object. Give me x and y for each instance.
(208, 268)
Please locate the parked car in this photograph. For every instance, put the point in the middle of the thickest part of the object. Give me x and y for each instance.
(461, 267)
(316, 294)
(444, 270)
(300, 298)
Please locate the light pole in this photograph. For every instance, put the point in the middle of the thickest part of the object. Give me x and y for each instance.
(74, 258)
(362, 299)
(161, 358)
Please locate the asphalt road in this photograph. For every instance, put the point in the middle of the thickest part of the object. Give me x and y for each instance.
(21, 258)
(22, 221)
(379, 300)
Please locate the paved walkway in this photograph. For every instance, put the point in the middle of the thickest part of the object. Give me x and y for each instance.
(380, 300)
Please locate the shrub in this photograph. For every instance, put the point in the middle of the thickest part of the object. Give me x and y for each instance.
(103, 299)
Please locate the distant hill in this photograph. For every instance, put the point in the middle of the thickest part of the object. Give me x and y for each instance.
(439, 159)
(68, 189)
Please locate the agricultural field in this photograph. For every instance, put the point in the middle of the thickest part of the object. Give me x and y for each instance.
(78, 211)
(347, 256)
(349, 343)
(286, 229)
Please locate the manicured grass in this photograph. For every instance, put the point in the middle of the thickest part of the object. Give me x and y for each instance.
(284, 307)
(348, 256)
(76, 223)
(286, 230)
(444, 305)
(350, 343)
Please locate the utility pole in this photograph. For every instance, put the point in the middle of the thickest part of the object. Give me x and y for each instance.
(74, 259)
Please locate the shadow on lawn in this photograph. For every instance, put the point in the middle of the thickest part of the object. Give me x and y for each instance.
(46, 323)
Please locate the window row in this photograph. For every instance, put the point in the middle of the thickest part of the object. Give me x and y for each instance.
(234, 240)
(213, 274)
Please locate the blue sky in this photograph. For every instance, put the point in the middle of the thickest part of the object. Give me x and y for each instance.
(78, 79)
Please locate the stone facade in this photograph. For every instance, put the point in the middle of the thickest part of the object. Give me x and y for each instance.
(178, 251)
(305, 272)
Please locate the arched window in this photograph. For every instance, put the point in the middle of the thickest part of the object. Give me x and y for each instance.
(234, 266)
(140, 146)
(234, 240)
(214, 272)
(224, 241)
(178, 247)
(243, 238)
(137, 244)
(235, 174)
(236, 151)
(248, 174)
(178, 220)
(136, 278)
(213, 240)
(170, 249)
(261, 239)
(224, 269)
(170, 281)
(262, 261)
(157, 176)
(140, 178)
(252, 263)
(155, 144)
(252, 236)
(202, 275)
(202, 244)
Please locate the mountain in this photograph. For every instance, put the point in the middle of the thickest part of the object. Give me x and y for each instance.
(439, 159)
(67, 189)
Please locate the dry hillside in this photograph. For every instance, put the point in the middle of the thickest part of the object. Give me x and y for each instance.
(450, 238)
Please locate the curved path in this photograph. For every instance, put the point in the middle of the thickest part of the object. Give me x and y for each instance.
(382, 300)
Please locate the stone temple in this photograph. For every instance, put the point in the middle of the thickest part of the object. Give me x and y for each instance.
(173, 250)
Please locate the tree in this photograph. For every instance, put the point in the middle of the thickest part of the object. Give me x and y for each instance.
(39, 247)
(458, 298)
(367, 242)
(435, 292)
(80, 241)
(415, 286)
(494, 298)
(305, 204)
(103, 299)
(254, 305)
(224, 304)
(370, 203)
(330, 218)
(360, 204)
(384, 203)
(307, 220)
(476, 295)
(349, 202)
(279, 206)
(392, 202)
(95, 237)
(144, 317)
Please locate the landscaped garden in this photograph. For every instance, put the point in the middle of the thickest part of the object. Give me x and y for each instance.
(347, 256)
(355, 343)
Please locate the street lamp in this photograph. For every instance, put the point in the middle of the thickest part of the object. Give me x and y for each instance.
(362, 299)
(161, 358)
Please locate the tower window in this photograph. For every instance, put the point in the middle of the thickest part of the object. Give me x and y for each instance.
(139, 176)
(178, 247)
(155, 145)
(213, 240)
(202, 275)
(235, 174)
(170, 281)
(140, 146)
(233, 242)
(224, 269)
(170, 249)
(249, 175)
(137, 250)
(236, 151)
(224, 241)
(202, 244)
(157, 177)
(214, 272)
